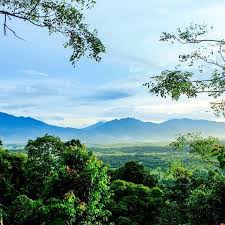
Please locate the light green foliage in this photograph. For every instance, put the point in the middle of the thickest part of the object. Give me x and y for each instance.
(61, 17)
(206, 56)
(174, 84)
(27, 211)
(44, 157)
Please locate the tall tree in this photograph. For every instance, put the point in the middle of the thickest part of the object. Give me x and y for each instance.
(61, 17)
(207, 56)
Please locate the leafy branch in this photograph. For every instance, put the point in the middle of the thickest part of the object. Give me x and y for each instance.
(61, 17)
(209, 58)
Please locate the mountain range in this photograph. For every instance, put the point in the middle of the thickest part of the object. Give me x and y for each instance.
(127, 130)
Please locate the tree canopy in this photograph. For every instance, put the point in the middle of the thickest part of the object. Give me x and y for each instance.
(206, 56)
(136, 173)
(59, 183)
(60, 17)
(53, 184)
(135, 204)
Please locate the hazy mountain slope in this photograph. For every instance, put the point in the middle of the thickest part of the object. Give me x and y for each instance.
(19, 129)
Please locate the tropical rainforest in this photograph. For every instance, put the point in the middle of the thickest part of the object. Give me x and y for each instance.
(56, 182)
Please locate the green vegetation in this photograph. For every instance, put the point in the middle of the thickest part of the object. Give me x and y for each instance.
(63, 183)
(157, 156)
(53, 183)
(152, 157)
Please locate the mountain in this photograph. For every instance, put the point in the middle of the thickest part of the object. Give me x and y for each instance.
(127, 130)
(19, 129)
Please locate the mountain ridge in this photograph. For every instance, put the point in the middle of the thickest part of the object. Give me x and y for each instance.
(19, 129)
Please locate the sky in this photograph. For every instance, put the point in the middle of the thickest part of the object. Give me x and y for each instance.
(37, 79)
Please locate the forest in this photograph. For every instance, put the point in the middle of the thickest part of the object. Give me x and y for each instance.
(56, 182)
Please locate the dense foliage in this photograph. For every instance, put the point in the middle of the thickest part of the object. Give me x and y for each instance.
(64, 183)
(137, 199)
(53, 184)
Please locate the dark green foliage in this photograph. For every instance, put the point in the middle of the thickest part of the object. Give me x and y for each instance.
(54, 184)
(136, 173)
(186, 196)
(206, 202)
(134, 203)
(60, 183)
(177, 189)
(61, 17)
(74, 143)
(12, 176)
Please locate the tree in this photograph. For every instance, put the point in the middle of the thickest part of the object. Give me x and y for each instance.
(177, 188)
(73, 142)
(136, 173)
(192, 196)
(208, 57)
(44, 156)
(60, 17)
(135, 204)
(205, 203)
(12, 176)
(53, 184)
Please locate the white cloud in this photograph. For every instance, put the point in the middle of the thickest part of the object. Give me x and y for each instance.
(35, 73)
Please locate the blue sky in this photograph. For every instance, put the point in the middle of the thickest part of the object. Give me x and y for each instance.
(38, 80)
